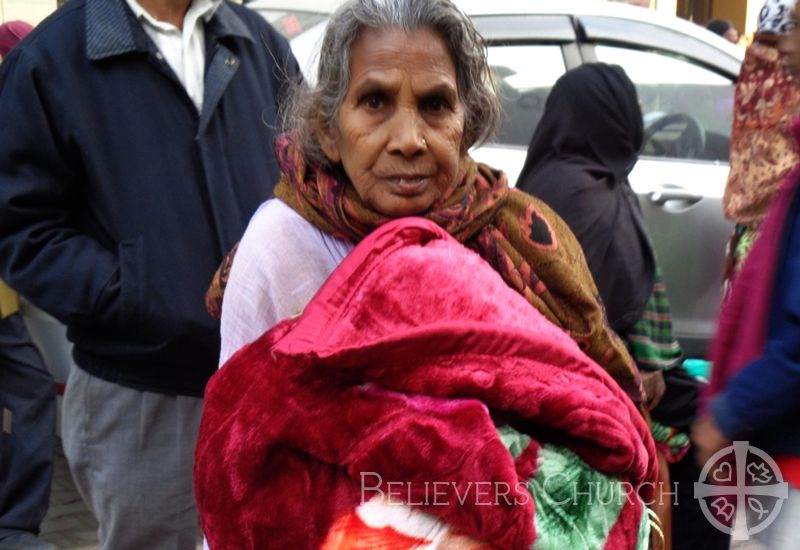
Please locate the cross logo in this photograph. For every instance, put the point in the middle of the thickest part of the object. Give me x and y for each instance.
(741, 477)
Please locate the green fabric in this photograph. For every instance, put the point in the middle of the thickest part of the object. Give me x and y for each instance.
(743, 246)
(672, 443)
(643, 542)
(654, 347)
(513, 440)
(651, 341)
(576, 507)
(566, 517)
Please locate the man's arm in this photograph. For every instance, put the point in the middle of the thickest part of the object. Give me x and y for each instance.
(42, 254)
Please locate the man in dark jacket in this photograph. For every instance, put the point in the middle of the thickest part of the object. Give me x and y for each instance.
(137, 141)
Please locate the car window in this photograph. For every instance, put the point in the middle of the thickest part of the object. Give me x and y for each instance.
(687, 108)
(523, 86)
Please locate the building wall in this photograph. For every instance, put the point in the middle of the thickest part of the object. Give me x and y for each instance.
(734, 11)
(753, 9)
(667, 6)
(32, 11)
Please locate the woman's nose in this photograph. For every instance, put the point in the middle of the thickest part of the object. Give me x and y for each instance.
(406, 135)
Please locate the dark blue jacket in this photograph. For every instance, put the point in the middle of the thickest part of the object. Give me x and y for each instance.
(118, 199)
(762, 402)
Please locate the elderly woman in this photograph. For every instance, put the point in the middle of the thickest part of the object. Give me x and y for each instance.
(386, 377)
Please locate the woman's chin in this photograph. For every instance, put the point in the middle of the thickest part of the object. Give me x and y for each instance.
(402, 207)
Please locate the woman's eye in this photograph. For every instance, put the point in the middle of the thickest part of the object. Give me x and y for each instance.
(373, 101)
(435, 104)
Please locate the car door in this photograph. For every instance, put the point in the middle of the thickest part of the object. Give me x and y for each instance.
(685, 88)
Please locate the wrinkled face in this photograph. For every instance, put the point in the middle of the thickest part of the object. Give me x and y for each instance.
(401, 122)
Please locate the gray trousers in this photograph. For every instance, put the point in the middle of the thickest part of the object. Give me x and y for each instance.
(131, 455)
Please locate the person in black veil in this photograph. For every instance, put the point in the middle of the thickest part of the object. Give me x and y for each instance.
(578, 162)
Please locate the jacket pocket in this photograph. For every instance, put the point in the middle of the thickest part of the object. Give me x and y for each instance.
(132, 281)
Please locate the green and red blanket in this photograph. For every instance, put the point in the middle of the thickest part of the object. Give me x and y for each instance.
(418, 397)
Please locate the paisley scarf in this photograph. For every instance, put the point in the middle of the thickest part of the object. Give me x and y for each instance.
(518, 235)
(763, 151)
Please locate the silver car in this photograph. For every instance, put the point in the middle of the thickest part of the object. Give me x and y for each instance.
(685, 78)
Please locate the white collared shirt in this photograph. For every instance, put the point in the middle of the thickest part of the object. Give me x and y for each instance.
(184, 49)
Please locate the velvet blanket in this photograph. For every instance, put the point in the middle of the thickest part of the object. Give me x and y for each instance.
(392, 382)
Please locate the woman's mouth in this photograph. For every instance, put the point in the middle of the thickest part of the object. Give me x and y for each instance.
(409, 185)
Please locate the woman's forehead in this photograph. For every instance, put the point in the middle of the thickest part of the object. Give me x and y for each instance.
(387, 53)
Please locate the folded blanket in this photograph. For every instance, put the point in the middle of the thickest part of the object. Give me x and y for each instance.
(392, 381)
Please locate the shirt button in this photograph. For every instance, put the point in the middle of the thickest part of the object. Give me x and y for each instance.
(160, 56)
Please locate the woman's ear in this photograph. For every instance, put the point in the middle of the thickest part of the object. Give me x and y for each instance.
(328, 143)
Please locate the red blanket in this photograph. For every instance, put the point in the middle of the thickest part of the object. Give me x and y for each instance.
(397, 367)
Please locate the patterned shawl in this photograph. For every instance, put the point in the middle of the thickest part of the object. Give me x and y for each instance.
(762, 148)
(518, 235)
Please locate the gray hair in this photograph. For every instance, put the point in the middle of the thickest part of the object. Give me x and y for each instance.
(309, 109)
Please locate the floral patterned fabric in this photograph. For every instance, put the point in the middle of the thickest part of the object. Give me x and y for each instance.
(762, 148)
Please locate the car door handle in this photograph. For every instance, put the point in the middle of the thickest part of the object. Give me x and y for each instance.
(665, 195)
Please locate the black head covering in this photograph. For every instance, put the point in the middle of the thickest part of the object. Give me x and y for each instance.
(578, 162)
(719, 26)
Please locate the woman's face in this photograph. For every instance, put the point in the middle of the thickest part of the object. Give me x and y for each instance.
(401, 122)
